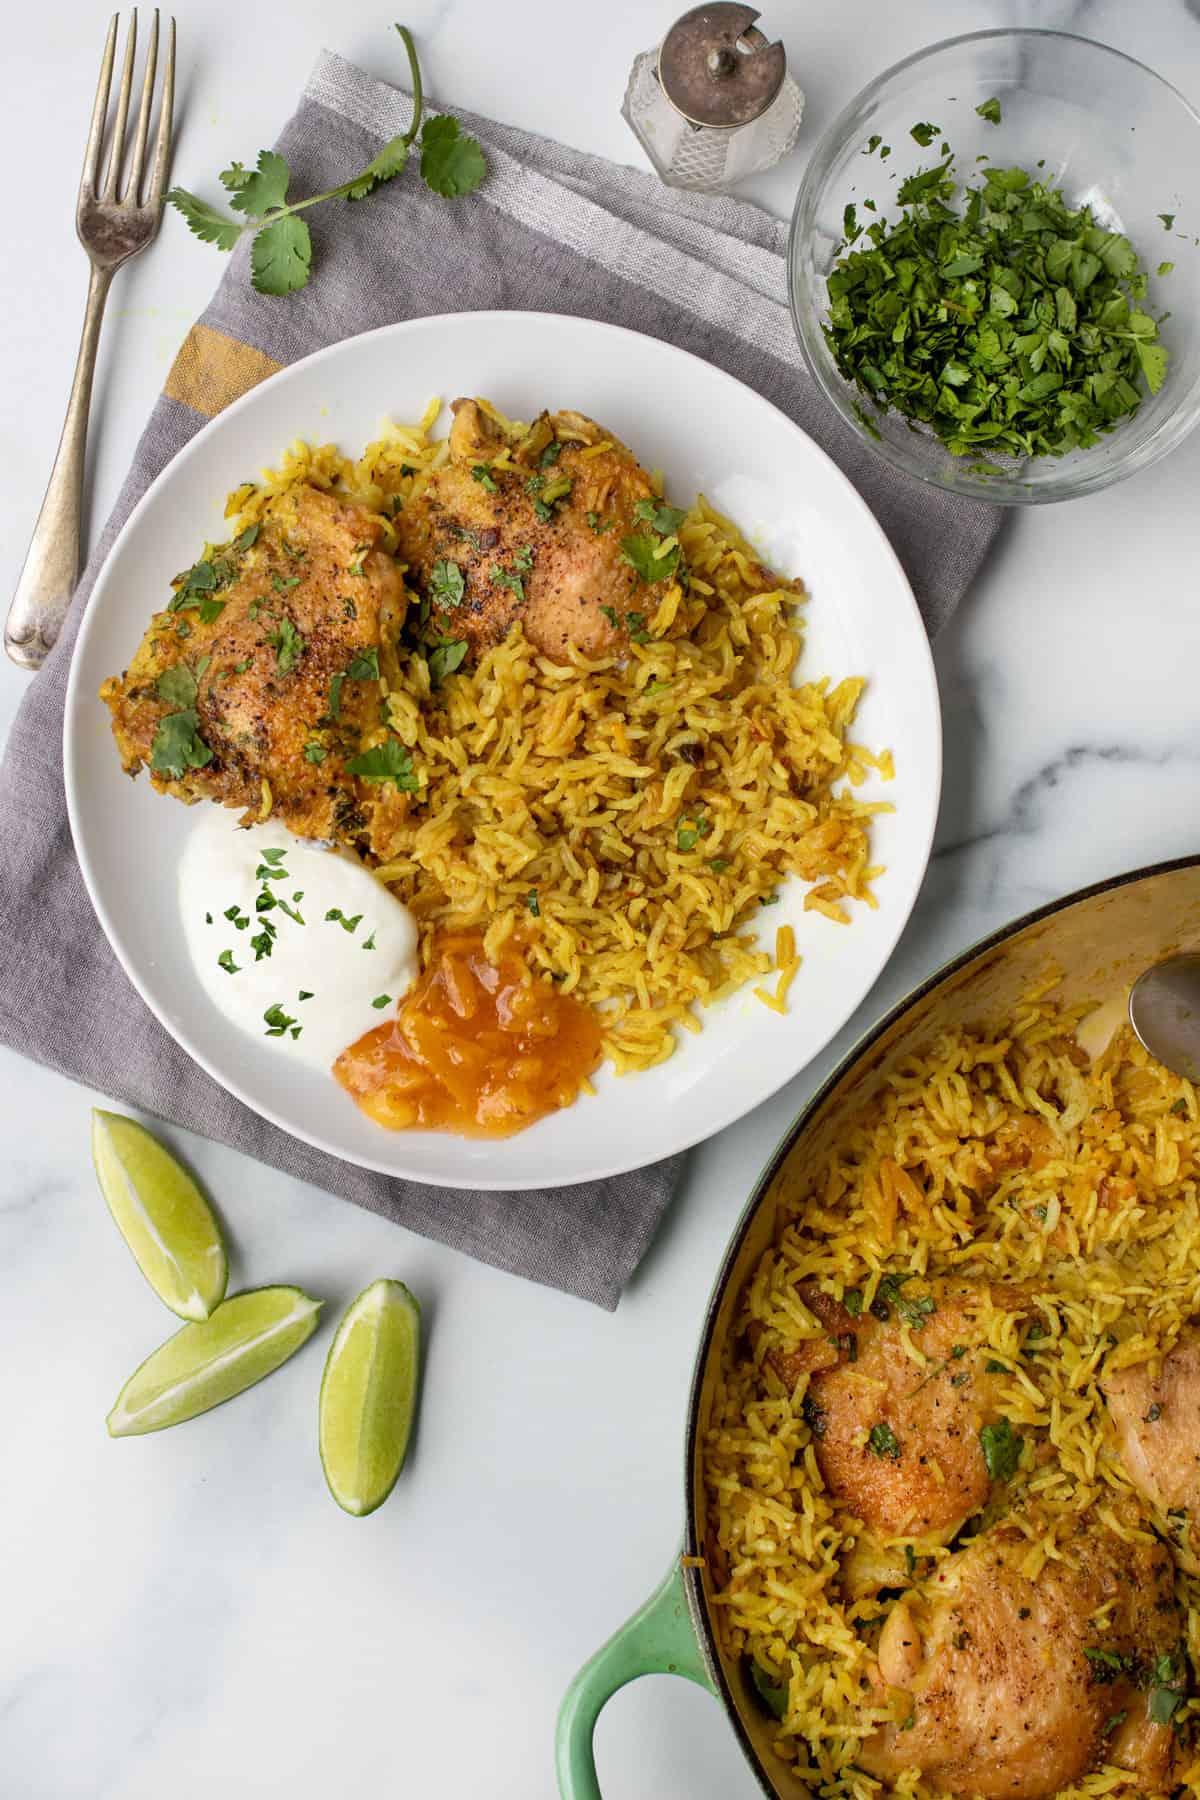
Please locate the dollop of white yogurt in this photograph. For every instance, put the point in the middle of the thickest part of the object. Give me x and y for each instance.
(295, 944)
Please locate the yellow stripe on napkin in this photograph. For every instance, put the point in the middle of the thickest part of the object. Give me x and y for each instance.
(212, 369)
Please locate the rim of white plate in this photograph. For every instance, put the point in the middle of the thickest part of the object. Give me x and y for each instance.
(601, 1167)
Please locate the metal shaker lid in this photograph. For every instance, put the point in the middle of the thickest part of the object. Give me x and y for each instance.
(717, 69)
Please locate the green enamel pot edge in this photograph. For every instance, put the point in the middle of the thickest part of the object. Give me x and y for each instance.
(659, 1639)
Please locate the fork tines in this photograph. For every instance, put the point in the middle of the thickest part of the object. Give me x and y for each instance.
(131, 194)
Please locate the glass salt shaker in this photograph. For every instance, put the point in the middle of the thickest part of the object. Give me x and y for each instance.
(715, 101)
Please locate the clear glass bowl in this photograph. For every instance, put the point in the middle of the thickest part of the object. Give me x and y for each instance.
(1113, 134)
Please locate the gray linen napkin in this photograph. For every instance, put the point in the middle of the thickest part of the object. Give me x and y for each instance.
(551, 230)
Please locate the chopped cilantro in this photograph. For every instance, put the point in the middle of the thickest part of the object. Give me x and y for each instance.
(510, 579)
(263, 942)
(1112, 1722)
(364, 665)
(645, 554)
(597, 524)
(178, 745)
(610, 613)
(1001, 1447)
(304, 994)
(1153, 1414)
(225, 961)
(278, 1023)
(335, 696)
(635, 625)
(550, 454)
(531, 901)
(446, 585)
(237, 917)
(718, 865)
(288, 646)
(852, 1300)
(1168, 221)
(1168, 1683)
(380, 1001)
(924, 133)
(882, 1441)
(389, 761)
(958, 1350)
(690, 829)
(315, 752)
(910, 1560)
(177, 686)
(989, 110)
(281, 583)
(1180, 1108)
(483, 475)
(336, 916)
(660, 516)
(1002, 320)
(444, 659)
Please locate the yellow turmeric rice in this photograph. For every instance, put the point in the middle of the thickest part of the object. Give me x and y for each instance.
(996, 1157)
(566, 800)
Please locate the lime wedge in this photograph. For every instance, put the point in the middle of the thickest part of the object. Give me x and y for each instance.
(206, 1363)
(368, 1396)
(161, 1214)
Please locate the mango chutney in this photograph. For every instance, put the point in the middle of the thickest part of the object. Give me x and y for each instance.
(477, 1047)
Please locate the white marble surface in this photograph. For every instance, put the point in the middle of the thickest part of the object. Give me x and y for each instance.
(190, 1613)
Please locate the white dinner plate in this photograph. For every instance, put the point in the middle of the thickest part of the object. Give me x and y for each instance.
(708, 434)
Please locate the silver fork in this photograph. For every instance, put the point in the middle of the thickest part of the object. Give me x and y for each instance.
(114, 222)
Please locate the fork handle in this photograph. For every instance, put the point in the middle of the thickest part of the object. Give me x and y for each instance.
(51, 566)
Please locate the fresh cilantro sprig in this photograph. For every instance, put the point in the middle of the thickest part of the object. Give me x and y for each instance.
(451, 163)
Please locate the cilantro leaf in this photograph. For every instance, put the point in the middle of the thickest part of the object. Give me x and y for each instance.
(262, 191)
(445, 659)
(1001, 1447)
(280, 255)
(389, 761)
(531, 901)
(483, 475)
(446, 585)
(364, 665)
(1168, 219)
(203, 220)
(288, 646)
(662, 517)
(178, 745)
(989, 110)
(278, 1022)
(882, 1441)
(315, 752)
(380, 1001)
(644, 553)
(225, 961)
(689, 831)
(451, 163)
(177, 686)
(925, 133)
(385, 166)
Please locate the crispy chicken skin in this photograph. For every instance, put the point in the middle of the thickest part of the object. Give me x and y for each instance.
(1155, 1415)
(539, 542)
(1006, 1686)
(310, 601)
(928, 1472)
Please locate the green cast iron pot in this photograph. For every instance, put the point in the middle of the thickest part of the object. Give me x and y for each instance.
(1099, 939)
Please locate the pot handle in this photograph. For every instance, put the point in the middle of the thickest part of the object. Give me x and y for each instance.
(657, 1640)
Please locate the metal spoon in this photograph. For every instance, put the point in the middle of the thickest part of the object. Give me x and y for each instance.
(1164, 1010)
